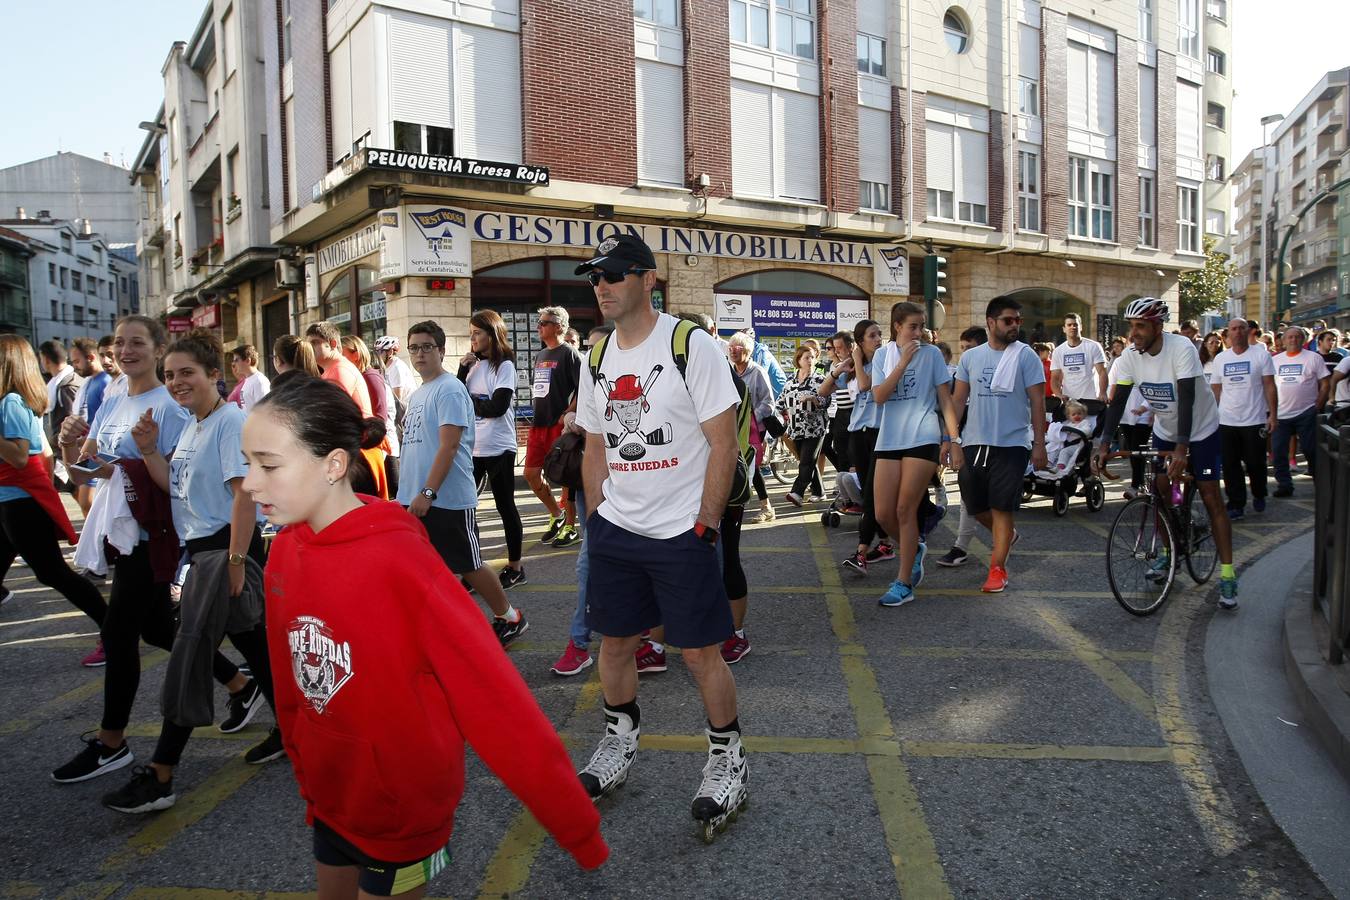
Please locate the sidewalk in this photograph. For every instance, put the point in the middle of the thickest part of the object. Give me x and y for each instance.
(1284, 710)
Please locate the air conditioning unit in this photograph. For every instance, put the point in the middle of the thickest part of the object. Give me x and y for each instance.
(290, 274)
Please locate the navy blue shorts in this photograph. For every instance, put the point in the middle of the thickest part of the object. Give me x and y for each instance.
(637, 583)
(1205, 459)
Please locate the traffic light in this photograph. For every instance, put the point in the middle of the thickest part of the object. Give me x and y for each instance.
(934, 276)
(1291, 295)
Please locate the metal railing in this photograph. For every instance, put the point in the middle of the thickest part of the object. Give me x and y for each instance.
(1331, 531)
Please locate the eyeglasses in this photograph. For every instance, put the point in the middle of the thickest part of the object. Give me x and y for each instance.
(594, 275)
(543, 322)
(421, 348)
(1010, 320)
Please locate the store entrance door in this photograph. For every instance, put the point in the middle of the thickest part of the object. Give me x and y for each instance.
(276, 322)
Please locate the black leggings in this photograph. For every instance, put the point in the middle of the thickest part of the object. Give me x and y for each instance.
(837, 446)
(733, 573)
(391, 474)
(501, 475)
(26, 530)
(862, 447)
(1137, 437)
(139, 609)
(808, 450)
(761, 491)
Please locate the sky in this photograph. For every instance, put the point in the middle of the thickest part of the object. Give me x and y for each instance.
(87, 72)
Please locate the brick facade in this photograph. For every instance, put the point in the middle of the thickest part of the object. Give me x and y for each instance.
(578, 57)
(998, 172)
(839, 126)
(1055, 110)
(1127, 142)
(899, 109)
(707, 96)
(1167, 152)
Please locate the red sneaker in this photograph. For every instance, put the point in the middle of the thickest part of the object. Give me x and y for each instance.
(572, 662)
(733, 648)
(997, 580)
(649, 659)
(95, 657)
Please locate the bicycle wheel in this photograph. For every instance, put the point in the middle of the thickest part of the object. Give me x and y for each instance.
(782, 463)
(1139, 561)
(1202, 554)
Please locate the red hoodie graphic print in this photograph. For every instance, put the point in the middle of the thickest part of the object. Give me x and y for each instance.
(321, 664)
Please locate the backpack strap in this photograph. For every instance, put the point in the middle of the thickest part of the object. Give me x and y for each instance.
(597, 354)
(679, 345)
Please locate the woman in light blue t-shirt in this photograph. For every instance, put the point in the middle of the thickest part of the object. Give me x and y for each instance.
(910, 385)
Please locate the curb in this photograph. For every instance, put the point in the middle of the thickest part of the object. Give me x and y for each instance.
(1316, 685)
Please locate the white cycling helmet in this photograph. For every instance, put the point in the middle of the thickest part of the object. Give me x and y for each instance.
(1150, 308)
(388, 342)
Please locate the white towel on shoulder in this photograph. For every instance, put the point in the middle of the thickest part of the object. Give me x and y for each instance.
(1005, 376)
(109, 517)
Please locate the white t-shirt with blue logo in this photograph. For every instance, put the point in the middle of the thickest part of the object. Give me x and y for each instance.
(208, 456)
(1079, 365)
(909, 415)
(442, 401)
(112, 426)
(1157, 377)
(1296, 381)
(998, 419)
(1242, 402)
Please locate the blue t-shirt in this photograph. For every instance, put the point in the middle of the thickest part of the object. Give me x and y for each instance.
(865, 413)
(442, 401)
(118, 415)
(1003, 419)
(18, 422)
(207, 457)
(91, 398)
(909, 415)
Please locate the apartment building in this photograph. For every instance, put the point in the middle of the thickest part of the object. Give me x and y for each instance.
(202, 177)
(1218, 96)
(16, 309)
(791, 163)
(74, 187)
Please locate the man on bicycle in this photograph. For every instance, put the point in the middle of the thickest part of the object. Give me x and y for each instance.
(1167, 369)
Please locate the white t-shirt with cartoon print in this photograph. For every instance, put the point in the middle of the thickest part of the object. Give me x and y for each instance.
(650, 420)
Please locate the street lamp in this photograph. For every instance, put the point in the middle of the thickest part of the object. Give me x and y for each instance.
(1266, 122)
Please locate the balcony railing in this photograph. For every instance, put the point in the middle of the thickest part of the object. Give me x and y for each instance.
(13, 271)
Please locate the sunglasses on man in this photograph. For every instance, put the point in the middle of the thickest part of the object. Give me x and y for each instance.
(594, 275)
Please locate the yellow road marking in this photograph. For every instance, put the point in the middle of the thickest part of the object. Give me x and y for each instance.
(958, 750)
(181, 893)
(509, 869)
(191, 808)
(1115, 678)
(46, 711)
(209, 732)
(91, 891)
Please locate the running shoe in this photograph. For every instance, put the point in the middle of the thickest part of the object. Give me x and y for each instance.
(1158, 570)
(271, 748)
(555, 524)
(813, 497)
(95, 658)
(997, 580)
(734, 648)
(573, 661)
(765, 514)
(883, 552)
(1227, 593)
(94, 760)
(916, 573)
(144, 793)
(852, 509)
(857, 562)
(794, 499)
(1131, 492)
(244, 705)
(1236, 513)
(510, 577)
(898, 594)
(953, 557)
(649, 659)
(1259, 504)
(567, 536)
(509, 631)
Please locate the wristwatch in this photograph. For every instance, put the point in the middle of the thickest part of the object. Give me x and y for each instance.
(704, 533)
(236, 559)
(429, 493)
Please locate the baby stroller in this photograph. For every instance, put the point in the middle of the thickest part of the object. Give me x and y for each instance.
(1077, 479)
(847, 501)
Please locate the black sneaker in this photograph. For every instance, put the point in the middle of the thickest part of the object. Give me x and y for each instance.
(555, 524)
(1284, 490)
(94, 760)
(270, 749)
(953, 557)
(510, 577)
(244, 705)
(143, 794)
(509, 631)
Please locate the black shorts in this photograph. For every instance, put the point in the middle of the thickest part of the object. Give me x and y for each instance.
(930, 452)
(378, 878)
(992, 478)
(636, 583)
(454, 534)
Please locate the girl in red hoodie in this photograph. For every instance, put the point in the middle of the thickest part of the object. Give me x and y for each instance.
(392, 666)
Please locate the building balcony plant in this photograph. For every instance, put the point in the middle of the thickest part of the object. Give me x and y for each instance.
(234, 209)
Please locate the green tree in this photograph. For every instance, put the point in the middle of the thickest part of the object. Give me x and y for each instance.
(1206, 289)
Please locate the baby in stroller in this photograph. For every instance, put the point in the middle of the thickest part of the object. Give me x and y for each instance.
(1064, 441)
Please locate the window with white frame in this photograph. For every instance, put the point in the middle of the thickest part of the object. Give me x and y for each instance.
(1217, 9)
(1148, 106)
(1215, 115)
(227, 41)
(958, 174)
(1028, 190)
(788, 28)
(658, 12)
(1092, 199)
(1215, 167)
(871, 55)
(660, 123)
(1188, 28)
(1146, 21)
(1148, 202)
(1215, 62)
(1188, 219)
(874, 159)
(1216, 222)
(286, 31)
(1092, 89)
(1188, 121)
(1028, 70)
(775, 142)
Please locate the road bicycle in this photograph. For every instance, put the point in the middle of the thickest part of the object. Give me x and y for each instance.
(779, 459)
(1152, 535)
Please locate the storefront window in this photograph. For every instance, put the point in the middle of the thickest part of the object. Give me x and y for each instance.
(337, 302)
(356, 290)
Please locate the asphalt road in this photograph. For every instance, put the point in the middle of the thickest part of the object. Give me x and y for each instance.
(1038, 743)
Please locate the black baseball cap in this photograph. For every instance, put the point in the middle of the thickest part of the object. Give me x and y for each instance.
(620, 254)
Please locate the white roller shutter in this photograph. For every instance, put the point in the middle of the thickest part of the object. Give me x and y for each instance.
(488, 98)
(941, 160)
(1188, 120)
(1029, 52)
(797, 144)
(872, 17)
(874, 145)
(420, 83)
(1078, 86)
(660, 123)
(974, 164)
(362, 42)
(1104, 93)
(1148, 106)
(751, 140)
(340, 94)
